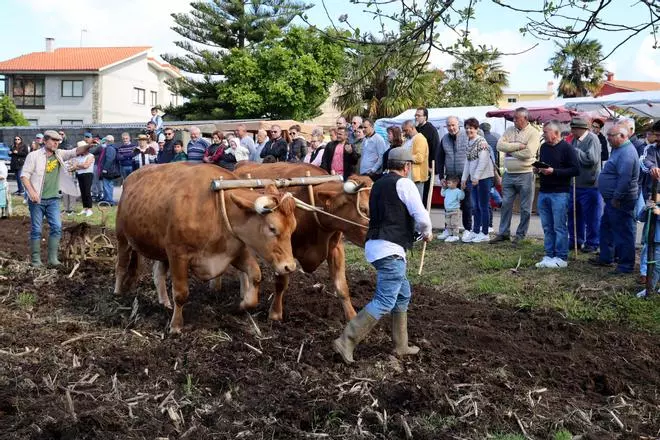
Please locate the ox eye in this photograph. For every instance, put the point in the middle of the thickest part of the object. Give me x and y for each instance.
(272, 229)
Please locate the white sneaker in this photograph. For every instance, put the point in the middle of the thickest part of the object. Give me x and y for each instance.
(491, 230)
(468, 236)
(452, 239)
(480, 238)
(544, 262)
(444, 235)
(82, 212)
(560, 264)
(89, 213)
(641, 294)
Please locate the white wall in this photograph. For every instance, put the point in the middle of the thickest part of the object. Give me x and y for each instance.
(58, 107)
(117, 94)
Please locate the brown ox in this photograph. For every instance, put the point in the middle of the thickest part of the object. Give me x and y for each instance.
(168, 213)
(314, 242)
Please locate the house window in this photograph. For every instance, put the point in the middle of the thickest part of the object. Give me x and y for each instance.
(138, 95)
(29, 91)
(512, 100)
(3, 85)
(154, 98)
(71, 122)
(72, 88)
(33, 122)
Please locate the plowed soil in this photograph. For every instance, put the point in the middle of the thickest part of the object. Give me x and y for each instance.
(77, 362)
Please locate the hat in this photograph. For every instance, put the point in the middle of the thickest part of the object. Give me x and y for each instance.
(81, 144)
(88, 134)
(161, 138)
(579, 123)
(401, 154)
(52, 134)
(39, 136)
(143, 137)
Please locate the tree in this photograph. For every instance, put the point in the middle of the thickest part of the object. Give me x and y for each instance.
(422, 23)
(579, 67)
(210, 31)
(281, 78)
(376, 87)
(10, 116)
(476, 78)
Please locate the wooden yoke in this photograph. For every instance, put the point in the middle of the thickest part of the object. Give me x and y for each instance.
(217, 185)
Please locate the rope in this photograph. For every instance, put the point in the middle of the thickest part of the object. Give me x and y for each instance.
(307, 207)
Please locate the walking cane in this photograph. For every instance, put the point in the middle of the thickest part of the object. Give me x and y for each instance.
(429, 197)
(650, 242)
(574, 223)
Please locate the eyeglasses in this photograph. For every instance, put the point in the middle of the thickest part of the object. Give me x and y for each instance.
(169, 134)
(292, 133)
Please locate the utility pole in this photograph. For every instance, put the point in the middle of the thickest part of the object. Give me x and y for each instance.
(81, 35)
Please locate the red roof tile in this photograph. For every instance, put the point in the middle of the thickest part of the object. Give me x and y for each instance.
(636, 86)
(71, 59)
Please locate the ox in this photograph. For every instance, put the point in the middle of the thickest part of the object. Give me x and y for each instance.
(318, 237)
(168, 213)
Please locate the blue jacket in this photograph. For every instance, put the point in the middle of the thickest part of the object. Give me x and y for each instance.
(618, 179)
(125, 154)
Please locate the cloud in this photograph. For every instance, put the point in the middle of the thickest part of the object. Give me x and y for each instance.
(647, 60)
(526, 70)
(108, 23)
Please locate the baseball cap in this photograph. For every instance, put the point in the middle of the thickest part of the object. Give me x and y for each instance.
(40, 136)
(88, 134)
(401, 154)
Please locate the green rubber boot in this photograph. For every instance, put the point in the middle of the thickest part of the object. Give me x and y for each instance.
(35, 251)
(53, 248)
(355, 331)
(400, 335)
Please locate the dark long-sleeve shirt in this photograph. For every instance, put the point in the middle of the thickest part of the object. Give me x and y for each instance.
(277, 148)
(563, 159)
(433, 139)
(604, 151)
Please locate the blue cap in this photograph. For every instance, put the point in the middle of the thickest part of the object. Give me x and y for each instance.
(39, 135)
(88, 134)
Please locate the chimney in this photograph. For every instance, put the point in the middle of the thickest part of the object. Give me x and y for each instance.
(610, 76)
(550, 87)
(49, 44)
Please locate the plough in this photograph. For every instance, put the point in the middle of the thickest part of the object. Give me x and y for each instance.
(83, 247)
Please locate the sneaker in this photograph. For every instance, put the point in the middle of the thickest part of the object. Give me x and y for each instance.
(468, 236)
(544, 262)
(641, 294)
(560, 264)
(82, 212)
(69, 213)
(480, 238)
(491, 229)
(452, 239)
(445, 234)
(499, 238)
(88, 213)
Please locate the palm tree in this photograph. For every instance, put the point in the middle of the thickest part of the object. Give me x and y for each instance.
(373, 86)
(578, 64)
(476, 77)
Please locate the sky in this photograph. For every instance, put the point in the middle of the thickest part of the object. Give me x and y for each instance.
(25, 24)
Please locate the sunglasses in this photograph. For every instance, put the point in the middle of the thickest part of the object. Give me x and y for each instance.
(292, 133)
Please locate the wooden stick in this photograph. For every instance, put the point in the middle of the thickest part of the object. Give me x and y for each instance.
(429, 198)
(575, 222)
(217, 185)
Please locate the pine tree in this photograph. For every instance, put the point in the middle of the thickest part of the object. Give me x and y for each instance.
(10, 116)
(210, 31)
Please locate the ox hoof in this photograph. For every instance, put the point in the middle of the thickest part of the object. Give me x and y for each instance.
(166, 304)
(275, 316)
(247, 305)
(175, 330)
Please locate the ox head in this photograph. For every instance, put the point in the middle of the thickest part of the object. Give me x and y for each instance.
(266, 225)
(350, 201)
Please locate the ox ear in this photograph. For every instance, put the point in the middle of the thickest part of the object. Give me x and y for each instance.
(272, 190)
(326, 198)
(262, 205)
(244, 204)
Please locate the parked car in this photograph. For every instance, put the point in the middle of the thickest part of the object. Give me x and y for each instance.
(4, 154)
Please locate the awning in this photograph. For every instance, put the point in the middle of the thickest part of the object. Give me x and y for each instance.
(646, 104)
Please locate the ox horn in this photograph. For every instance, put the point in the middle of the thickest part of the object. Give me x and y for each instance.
(352, 187)
(261, 205)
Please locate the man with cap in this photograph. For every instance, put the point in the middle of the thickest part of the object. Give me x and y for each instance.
(588, 201)
(396, 212)
(44, 175)
(38, 141)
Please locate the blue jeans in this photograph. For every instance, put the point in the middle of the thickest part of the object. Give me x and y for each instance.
(656, 270)
(108, 187)
(553, 210)
(617, 235)
(392, 287)
(18, 180)
(50, 208)
(588, 212)
(125, 170)
(480, 205)
(513, 185)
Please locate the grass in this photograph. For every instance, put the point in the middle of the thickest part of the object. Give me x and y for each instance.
(22, 210)
(26, 301)
(483, 271)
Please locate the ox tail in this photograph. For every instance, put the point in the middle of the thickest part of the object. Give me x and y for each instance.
(130, 278)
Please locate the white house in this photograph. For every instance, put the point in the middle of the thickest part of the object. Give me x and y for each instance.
(87, 85)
